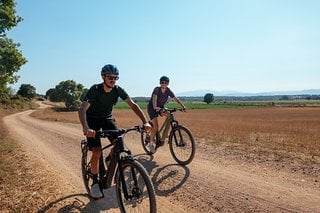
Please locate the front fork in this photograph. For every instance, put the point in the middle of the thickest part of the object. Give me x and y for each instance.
(128, 190)
(178, 138)
(123, 156)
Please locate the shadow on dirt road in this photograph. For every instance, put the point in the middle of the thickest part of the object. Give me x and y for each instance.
(166, 179)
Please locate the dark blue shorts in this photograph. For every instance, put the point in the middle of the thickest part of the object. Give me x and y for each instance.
(98, 124)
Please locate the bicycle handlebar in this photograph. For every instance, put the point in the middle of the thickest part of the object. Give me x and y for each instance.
(172, 110)
(117, 132)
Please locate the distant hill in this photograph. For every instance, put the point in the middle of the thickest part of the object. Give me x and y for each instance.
(201, 93)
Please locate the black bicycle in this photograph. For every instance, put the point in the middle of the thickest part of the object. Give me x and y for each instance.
(135, 191)
(181, 142)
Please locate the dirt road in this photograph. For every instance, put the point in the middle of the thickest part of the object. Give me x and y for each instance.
(211, 183)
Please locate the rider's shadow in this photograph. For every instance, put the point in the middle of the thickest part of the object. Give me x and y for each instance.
(82, 203)
(165, 179)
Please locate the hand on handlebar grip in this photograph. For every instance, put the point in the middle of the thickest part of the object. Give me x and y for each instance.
(90, 133)
(146, 127)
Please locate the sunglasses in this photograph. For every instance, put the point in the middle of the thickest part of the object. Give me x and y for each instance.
(163, 82)
(112, 77)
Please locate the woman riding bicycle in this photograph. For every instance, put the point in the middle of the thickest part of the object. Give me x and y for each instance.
(96, 112)
(157, 101)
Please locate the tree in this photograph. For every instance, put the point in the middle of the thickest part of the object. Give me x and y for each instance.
(84, 92)
(27, 91)
(67, 91)
(208, 98)
(51, 95)
(11, 58)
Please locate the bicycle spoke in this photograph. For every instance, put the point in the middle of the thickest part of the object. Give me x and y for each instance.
(138, 188)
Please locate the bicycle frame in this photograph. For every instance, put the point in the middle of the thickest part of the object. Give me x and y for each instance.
(180, 140)
(115, 162)
(163, 132)
(132, 181)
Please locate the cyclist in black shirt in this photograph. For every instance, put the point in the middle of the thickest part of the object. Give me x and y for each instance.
(95, 113)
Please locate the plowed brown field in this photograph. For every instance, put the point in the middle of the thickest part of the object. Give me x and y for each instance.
(285, 128)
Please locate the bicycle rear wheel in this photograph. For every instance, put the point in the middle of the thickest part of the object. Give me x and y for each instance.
(135, 191)
(182, 145)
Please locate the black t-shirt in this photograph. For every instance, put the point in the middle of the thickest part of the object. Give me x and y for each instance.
(101, 103)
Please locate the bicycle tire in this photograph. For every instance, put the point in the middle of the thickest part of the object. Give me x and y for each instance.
(180, 141)
(140, 188)
(145, 143)
(86, 169)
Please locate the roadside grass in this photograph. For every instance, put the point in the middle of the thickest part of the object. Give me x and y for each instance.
(26, 185)
(52, 114)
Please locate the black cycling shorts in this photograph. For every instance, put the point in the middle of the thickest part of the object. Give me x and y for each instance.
(98, 124)
(152, 112)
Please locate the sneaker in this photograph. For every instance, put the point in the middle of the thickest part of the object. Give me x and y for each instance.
(152, 147)
(95, 191)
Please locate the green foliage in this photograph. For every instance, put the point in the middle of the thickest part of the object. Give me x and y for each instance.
(16, 102)
(4, 93)
(85, 90)
(208, 98)
(67, 91)
(8, 17)
(27, 91)
(11, 58)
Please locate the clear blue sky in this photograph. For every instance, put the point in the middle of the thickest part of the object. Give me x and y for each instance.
(236, 45)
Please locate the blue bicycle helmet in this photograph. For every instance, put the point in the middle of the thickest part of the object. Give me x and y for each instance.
(109, 69)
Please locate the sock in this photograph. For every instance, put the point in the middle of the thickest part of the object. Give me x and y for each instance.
(95, 178)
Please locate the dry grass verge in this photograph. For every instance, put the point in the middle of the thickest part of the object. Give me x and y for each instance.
(26, 183)
(52, 115)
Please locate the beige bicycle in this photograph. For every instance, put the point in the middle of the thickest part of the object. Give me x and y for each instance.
(180, 139)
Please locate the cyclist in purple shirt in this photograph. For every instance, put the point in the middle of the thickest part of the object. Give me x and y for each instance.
(157, 101)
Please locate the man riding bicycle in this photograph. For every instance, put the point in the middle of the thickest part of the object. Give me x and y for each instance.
(95, 113)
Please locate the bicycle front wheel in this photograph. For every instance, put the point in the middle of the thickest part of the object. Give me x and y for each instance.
(145, 140)
(86, 168)
(135, 191)
(182, 145)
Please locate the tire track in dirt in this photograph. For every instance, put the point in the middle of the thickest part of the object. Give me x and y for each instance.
(209, 184)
